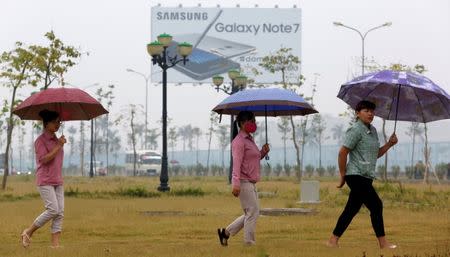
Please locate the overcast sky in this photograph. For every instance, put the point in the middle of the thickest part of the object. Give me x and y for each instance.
(115, 34)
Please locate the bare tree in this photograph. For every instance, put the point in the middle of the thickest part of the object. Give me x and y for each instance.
(284, 62)
(338, 133)
(283, 127)
(173, 139)
(197, 133)
(72, 131)
(213, 121)
(81, 145)
(318, 126)
(413, 131)
(224, 141)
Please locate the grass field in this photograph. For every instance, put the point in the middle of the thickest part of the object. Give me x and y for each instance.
(117, 216)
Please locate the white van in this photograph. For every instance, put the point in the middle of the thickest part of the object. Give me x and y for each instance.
(148, 163)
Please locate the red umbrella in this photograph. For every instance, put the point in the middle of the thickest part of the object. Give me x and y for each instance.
(70, 103)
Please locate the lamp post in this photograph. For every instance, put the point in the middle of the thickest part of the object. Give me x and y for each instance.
(363, 36)
(160, 55)
(146, 103)
(238, 82)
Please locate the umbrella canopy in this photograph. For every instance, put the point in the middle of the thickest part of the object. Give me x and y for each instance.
(265, 102)
(399, 95)
(70, 103)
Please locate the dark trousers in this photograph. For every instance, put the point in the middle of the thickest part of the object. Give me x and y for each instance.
(361, 192)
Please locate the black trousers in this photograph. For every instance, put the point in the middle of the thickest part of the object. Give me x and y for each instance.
(361, 192)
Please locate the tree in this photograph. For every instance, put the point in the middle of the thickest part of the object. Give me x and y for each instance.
(128, 118)
(132, 136)
(173, 138)
(284, 129)
(106, 95)
(185, 133)
(285, 62)
(224, 140)
(318, 126)
(197, 133)
(82, 143)
(32, 65)
(53, 61)
(213, 121)
(22, 132)
(414, 130)
(152, 137)
(385, 137)
(338, 133)
(15, 69)
(72, 131)
(114, 144)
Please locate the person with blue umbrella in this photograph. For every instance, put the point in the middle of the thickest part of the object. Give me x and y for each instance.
(246, 156)
(246, 173)
(362, 145)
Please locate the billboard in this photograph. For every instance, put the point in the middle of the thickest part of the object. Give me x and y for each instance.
(226, 38)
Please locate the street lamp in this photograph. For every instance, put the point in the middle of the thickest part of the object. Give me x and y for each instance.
(238, 82)
(146, 103)
(363, 36)
(159, 52)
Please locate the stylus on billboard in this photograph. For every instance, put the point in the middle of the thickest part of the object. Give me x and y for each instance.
(208, 28)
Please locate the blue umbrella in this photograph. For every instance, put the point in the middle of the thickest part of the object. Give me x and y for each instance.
(399, 95)
(265, 102)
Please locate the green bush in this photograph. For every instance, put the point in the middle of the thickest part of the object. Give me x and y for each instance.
(278, 169)
(190, 191)
(380, 171)
(320, 171)
(215, 169)
(441, 169)
(138, 191)
(309, 170)
(395, 171)
(287, 170)
(200, 170)
(267, 169)
(409, 172)
(174, 170)
(331, 170)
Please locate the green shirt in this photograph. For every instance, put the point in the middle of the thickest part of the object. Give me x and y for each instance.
(364, 145)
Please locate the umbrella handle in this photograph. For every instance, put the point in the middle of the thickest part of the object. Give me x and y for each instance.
(62, 128)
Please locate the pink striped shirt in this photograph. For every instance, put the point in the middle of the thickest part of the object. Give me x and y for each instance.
(50, 173)
(246, 158)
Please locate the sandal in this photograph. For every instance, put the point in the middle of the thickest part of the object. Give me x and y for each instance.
(26, 240)
(223, 238)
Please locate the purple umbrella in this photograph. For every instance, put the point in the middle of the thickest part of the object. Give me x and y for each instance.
(399, 95)
(265, 102)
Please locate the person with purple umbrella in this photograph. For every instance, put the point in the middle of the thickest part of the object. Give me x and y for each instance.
(246, 173)
(362, 145)
(49, 159)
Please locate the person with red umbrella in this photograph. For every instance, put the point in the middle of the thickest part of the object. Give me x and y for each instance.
(52, 106)
(49, 160)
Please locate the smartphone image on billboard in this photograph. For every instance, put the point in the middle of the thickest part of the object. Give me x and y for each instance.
(202, 64)
(219, 46)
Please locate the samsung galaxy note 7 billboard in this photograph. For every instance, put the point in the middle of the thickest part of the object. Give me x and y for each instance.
(225, 39)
